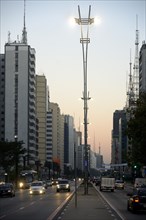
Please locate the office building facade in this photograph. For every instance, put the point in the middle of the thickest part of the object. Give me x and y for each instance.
(142, 68)
(20, 97)
(41, 113)
(119, 138)
(2, 97)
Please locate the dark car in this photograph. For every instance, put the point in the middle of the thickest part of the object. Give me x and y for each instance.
(137, 200)
(97, 181)
(7, 189)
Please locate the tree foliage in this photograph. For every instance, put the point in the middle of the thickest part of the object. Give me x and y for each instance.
(10, 152)
(136, 132)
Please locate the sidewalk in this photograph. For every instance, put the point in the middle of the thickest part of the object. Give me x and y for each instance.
(88, 207)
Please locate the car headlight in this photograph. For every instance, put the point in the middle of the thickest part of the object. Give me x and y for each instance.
(41, 191)
(67, 185)
(21, 184)
(30, 191)
(58, 186)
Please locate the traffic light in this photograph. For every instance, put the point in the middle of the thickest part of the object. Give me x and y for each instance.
(135, 166)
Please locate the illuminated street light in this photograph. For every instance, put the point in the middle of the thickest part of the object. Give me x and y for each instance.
(85, 41)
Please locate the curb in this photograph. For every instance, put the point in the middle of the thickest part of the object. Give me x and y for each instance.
(118, 213)
(58, 211)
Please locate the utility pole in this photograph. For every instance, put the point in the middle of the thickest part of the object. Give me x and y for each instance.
(16, 160)
(85, 41)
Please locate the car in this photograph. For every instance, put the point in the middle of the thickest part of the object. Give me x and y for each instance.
(49, 183)
(7, 189)
(97, 181)
(45, 184)
(139, 182)
(54, 182)
(119, 184)
(63, 185)
(137, 200)
(37, 187)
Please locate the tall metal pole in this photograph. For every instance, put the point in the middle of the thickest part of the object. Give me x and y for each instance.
(16, 161)
(85, 41)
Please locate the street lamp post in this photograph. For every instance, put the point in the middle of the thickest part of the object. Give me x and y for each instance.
(85, 41)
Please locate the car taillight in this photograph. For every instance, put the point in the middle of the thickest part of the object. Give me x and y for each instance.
(136, 199)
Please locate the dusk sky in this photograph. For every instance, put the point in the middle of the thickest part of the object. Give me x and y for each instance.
(59, 55)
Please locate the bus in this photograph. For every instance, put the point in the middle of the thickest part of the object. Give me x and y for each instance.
(26, 177)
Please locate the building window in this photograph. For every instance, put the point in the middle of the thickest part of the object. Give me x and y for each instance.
(16, 68)
(16, 48)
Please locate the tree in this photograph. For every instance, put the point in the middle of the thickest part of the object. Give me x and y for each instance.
(136, 132)
(10, 153)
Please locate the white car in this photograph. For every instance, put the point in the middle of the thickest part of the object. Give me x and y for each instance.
(37, 187)
(119, 184)
(63, 185)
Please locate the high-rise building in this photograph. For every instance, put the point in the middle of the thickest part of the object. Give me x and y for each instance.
(20, 97)
(92, 159)
(69, 141)
(119, 139)
(20, 106)
(142, 68)
(99, 160)
(123, 138)
(20, 122)
(55, 129)
(2, 97)
(57, 136)
(61, 146)
(41, 112)
(49, 137)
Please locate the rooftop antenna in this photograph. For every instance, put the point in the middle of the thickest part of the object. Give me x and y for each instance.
(99, 148)
(94, 144)
(130, 92)
(9, 38)
(136, 64)
(145, 20)
(18, 38)
(79, 125)
(24, 32)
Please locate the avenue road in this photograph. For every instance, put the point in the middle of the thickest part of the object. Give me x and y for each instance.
(24, 206)
(118, 201)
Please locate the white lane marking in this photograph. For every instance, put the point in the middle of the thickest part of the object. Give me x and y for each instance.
(3, 216)
(118, 213)
(21, 208)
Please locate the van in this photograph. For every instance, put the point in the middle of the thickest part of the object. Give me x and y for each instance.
(107, 183)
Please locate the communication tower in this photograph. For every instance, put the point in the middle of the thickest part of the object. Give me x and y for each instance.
(24, 32)
(133, 87)
(130, 92)
(136, 65)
